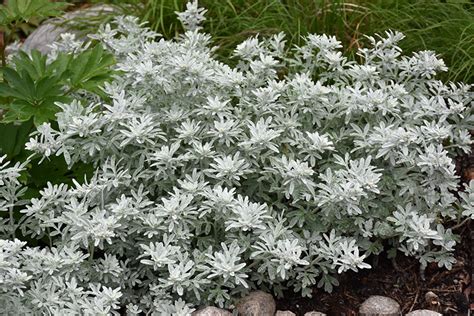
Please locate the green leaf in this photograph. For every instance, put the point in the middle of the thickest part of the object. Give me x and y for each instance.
(22, 6)
(48, 87)
(35, 65)
(7, 91)
(23, 63)
(14, 138)
(59, 67)
(46, 8)
(23, 110)
(90, 69)
(16, 12)
(33, 88)
(55, 170)
(28, 83)
(16, 82)
(45, 114)
(5, 15)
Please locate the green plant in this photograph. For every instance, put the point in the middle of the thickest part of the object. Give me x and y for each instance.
(34, 85)
(444, 26)
(212, 180)
(233, 21)
(17, 15)
(29, 90)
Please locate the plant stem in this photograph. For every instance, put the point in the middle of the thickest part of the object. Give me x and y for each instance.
(12, 221)
(3, 42)
(49, 237)
(91, 251)
(461, 223)
(2, 48)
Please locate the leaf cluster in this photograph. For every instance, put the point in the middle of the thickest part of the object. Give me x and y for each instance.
(15, 12)
(32, 85)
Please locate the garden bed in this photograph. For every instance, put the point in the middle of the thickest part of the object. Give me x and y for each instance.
(212, 181)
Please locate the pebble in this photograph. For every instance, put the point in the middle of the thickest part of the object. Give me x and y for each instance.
(285, 313)
(314, 313)
(257, 303)
(423, 312)
(211, 311)
(379, 305)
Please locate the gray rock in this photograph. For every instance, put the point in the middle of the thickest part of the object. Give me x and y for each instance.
(285, 313)
(45, 35)
(314, 313)
(50, 31)
(211, 311)
(257, 303)
(423, 312)
(379, 305)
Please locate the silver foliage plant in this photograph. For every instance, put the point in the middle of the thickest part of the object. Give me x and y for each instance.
(282, 172)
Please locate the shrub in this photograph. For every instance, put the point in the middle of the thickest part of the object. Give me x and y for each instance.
(282, 172)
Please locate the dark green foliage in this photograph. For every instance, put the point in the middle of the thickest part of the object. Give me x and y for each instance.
(30, 91)
(55, 170)
(89, 70)
(31, 88)
(13, 138)
(17, 15)
(22, 11)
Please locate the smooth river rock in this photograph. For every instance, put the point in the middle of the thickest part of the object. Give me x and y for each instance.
(380, 306)
(423, 312)
(211, 311)
(257, 303)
